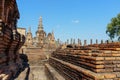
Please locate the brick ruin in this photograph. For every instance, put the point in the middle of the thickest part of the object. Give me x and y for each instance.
(10, 40)
(89, 62)
(73, 62)
(37, 48)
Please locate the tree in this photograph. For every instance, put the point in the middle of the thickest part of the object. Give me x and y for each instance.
(113, 28)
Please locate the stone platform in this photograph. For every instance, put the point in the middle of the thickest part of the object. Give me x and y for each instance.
(92, 62)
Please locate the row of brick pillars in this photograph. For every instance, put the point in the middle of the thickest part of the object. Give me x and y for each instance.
(79, 42)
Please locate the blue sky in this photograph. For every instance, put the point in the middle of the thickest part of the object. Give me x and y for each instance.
(84, 19)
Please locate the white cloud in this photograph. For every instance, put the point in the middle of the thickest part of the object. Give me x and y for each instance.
(76, 21)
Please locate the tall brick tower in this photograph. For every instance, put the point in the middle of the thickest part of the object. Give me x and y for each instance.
(29, 38)
(40, 34)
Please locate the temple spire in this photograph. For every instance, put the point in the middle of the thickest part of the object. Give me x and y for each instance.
(52, 34)
(40, 26)
(29, 30)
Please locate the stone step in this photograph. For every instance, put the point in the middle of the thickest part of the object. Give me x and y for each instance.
(54, 74)
(78, 72)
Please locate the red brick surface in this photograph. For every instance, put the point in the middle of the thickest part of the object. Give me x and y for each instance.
(99, 62)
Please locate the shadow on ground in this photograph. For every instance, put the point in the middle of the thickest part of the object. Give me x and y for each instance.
(25, 69)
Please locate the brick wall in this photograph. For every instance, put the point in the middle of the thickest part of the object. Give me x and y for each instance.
(93, 62)
(10, 42)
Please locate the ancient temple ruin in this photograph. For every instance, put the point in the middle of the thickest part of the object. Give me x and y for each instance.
(41, 40)
(10, 40)
(90, 62)
(67, 62)
(38, 47)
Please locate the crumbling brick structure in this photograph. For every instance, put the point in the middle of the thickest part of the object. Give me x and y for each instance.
(93, 62)
(10, 40)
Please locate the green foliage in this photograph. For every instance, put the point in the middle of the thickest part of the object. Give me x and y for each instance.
(113, 28)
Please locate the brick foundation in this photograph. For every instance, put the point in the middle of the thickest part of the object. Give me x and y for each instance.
(101, 62)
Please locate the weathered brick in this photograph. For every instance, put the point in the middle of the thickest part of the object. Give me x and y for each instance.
(106, 62)
(117, 65)
(107, 52)
(116, 62)
(109, 58)
(99, 58)
(118, 74)
(97, 62)
(117, 58)
(109, 66)
(109, 75)
(116, 55)
(115, 52)
(117, 69)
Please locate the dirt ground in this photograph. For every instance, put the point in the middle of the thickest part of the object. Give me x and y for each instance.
(33, 73)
